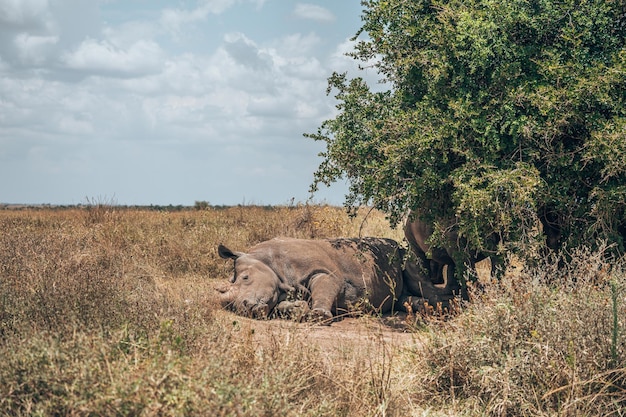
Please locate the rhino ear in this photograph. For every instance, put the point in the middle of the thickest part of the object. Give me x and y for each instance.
(226, 253)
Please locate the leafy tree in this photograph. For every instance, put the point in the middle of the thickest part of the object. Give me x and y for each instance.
(497, 113)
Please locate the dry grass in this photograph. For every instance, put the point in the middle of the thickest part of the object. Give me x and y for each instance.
(108, 311)
(545, 341)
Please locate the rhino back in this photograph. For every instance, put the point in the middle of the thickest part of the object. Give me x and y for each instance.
(366, 267)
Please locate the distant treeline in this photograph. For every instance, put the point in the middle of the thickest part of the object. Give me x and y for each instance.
(199, 205)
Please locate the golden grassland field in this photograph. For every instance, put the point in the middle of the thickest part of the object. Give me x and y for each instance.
(106, 310)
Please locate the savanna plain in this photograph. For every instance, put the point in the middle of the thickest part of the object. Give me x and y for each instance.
(108, 310)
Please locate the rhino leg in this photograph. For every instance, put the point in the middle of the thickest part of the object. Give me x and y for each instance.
(325, 289)
(296, 310)
(413, 303)
(419, 288)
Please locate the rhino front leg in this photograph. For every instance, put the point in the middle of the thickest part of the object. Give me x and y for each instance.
(297, 310)
(420, 289)
(325, 289)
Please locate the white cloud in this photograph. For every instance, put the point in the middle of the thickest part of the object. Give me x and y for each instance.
(280, 107)
(175, 19)
(297, 44)
(313, 12)
(103, 58)
(246, 53)
(304, 68)
(23, 13)
(187, 74)
(32, 49)
(130, 32)
(70, 124)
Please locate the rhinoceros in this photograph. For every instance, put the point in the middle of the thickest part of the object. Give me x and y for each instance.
(335, 274)
(418, 233)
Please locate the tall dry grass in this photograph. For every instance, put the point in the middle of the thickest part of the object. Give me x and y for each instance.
(544, 341)
(111, 311)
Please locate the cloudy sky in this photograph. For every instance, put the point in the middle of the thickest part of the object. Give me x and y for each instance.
(167, 102)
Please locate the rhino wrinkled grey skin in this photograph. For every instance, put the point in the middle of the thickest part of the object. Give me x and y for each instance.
(418, 233)
(336, 275)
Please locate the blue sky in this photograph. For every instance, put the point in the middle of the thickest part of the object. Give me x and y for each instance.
(167, 102)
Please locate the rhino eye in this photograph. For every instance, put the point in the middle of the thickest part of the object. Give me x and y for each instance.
(245, 277)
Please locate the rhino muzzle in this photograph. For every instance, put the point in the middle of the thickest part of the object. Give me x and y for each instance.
(258, 311)
(252, 308)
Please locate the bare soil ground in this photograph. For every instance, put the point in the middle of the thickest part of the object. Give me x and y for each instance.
(347, 333)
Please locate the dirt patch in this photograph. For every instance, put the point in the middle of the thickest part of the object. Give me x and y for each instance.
(345, 334)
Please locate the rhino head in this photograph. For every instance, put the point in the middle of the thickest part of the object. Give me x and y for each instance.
(254, 287)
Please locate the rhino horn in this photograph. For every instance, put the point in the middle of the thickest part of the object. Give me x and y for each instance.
(226, 296)
(419, 284)
(223, 289)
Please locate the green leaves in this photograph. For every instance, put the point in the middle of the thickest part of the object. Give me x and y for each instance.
(500, 201)
(496, 110)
